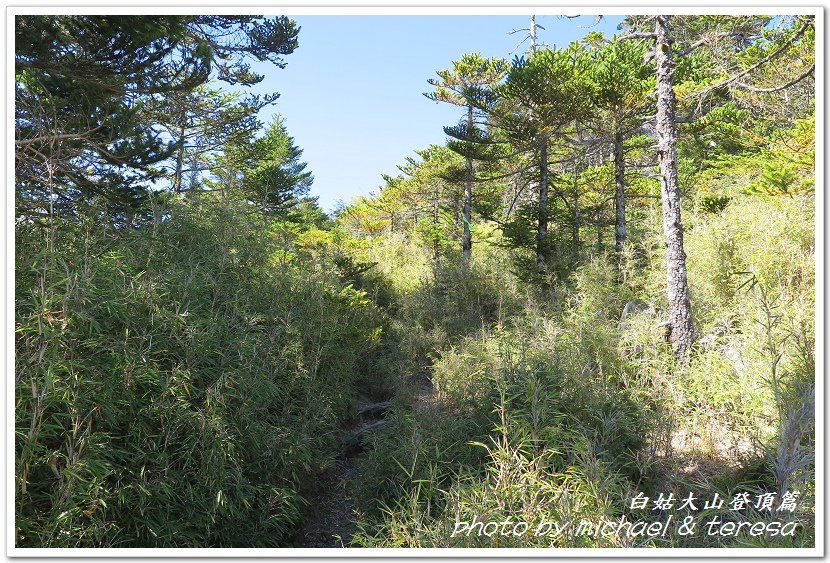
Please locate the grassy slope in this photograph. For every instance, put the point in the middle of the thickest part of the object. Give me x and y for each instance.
(551, 410)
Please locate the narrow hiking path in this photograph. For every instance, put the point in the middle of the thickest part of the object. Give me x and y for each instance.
(330, 519)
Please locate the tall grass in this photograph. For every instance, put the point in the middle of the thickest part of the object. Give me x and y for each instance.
(176, 384)
(527, 419)
(552, 408)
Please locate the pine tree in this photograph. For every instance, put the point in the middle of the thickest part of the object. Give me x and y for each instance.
(202, 122)
(680, 308)
(435, 178)
(673, 38)
(82, 83)
(623, 84)
(274, 178)
(542, 96)
(469, 84)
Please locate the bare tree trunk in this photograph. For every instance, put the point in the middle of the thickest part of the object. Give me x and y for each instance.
(532, 36)
(542, 231)
(467, 238)
(680, 308)
(619, 191)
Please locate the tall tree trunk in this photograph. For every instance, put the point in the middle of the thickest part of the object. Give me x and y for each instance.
(577, 217)
(435, 254)
(467, 238)
(680, 308)
(532, 31)
(177, 178)
(542, 231)
(619, 191)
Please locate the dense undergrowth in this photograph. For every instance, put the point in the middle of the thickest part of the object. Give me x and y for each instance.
(178, 385)
(184, 383)
(194, 336)
(547, 408)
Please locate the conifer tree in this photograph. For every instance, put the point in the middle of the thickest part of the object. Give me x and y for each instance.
(542, 96)
(672, 38)
(273, 178)
(469, 84)
(680, 308)
(435, 179)
(623, 84)
(202, 122)
(83, 81)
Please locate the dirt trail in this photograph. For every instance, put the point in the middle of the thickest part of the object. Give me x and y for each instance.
(331, 520)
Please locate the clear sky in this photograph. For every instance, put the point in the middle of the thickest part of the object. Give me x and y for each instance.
(352, 93)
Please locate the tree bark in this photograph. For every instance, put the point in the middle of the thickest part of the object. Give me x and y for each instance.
(619, 191)
(577, 213)
(467, 237)
(532, 31)
(542, 231)
(435, 254)
(680, 309)
(177, 178)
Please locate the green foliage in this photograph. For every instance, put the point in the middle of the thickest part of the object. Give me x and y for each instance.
(235, 39)
(176, 386)
(783, 166)
(185, 364)
(203, 122)
(469, 82)
(273, 178)
(521, 420)
(84, 85)
(566, 413)
(552, 88)
(621, 79)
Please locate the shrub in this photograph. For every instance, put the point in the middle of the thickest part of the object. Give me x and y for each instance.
(176, 386)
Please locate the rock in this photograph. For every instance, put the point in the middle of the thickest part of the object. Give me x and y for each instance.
(354, 441)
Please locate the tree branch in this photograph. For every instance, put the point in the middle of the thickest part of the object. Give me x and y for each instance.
(60, 137)
(637, 35)
(766, 59)
(783, 86)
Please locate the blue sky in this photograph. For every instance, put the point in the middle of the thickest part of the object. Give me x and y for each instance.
(352, 93)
